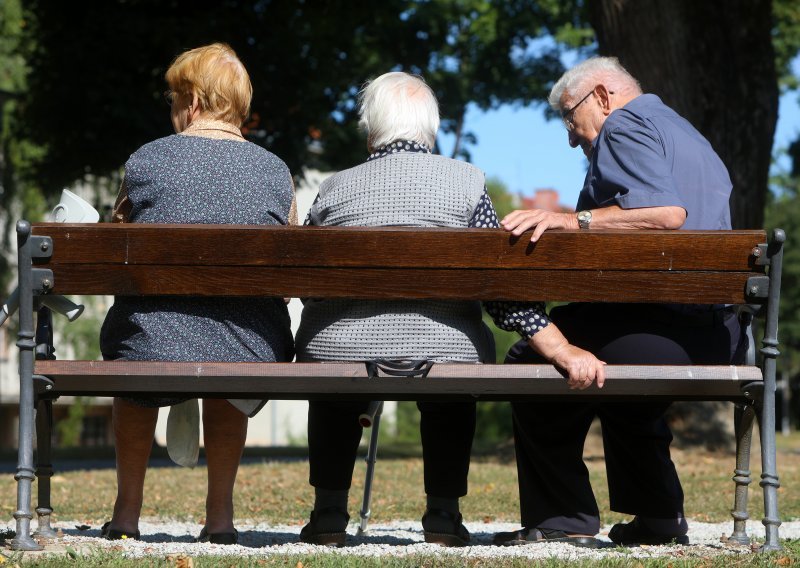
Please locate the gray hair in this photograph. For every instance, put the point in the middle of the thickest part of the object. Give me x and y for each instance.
(398, 106)
(595, 70)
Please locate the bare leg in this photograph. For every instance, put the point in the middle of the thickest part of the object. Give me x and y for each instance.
(224, 430)
(134, 428)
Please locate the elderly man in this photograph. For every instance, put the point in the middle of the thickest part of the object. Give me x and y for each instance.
(648, 169)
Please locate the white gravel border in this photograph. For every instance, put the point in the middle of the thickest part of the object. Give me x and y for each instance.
(398, 538)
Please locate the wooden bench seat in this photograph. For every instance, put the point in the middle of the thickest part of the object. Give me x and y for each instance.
(687, 267)
(293, 381)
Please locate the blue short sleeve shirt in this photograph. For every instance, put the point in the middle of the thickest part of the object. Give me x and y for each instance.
(647, 155)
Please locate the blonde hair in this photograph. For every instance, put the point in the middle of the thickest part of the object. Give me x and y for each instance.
(215, 75)
(398, 106)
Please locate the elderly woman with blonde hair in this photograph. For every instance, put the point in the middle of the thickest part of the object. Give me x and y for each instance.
(403, 183)
(206, 173)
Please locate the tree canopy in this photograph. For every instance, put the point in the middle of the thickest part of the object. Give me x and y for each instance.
(92, 93)
(97, 69)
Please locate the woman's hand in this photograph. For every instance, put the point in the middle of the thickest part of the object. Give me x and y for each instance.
(582, 367)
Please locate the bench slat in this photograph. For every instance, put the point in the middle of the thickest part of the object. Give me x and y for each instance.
(334, 380)
(398, 247)
(386, 283)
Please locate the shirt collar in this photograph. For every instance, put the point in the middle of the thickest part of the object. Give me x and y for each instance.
(397, 147)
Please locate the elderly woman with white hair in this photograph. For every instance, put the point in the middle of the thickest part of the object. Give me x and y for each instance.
(403, 183)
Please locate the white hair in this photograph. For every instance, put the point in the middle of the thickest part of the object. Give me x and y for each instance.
(593, 71)
(398, 106)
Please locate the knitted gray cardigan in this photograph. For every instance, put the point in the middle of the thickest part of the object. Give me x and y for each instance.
(408, 189)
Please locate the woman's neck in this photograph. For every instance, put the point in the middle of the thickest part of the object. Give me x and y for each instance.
(213, 128)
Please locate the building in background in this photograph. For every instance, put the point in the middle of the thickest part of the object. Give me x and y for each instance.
(544, 198)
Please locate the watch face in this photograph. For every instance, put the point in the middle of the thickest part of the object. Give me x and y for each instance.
(584, 218)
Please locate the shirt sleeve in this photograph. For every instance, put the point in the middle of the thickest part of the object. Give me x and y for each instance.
(631, 169)
(526, 318)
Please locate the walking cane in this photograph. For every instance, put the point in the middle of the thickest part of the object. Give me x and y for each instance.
(371, 418)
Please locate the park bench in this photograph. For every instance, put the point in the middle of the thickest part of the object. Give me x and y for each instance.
(707, 267)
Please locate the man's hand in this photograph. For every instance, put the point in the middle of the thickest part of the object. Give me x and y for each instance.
(539, 220)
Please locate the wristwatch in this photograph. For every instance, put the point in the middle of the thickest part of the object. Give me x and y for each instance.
(584, 219)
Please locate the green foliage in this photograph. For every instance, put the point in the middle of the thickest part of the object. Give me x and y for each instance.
(407, 424)
(69, 429)
(306, 60)
(17, 154)
(783, 211)
(502, 200)
(786, 39)
(83, 334)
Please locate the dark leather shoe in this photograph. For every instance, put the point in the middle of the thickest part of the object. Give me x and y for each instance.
(458, 536)
(529, 536)
(635, 533)
(108, 533)
(218, 538)
(311, 534)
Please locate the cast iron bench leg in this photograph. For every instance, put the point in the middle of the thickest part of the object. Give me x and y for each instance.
(765, 405)
(26, 344)
(744, 415)
(44, 467)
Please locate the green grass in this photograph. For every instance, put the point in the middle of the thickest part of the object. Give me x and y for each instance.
(790, 556)
(277, 492)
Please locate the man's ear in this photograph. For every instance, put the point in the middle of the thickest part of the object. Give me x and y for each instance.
(604, 98)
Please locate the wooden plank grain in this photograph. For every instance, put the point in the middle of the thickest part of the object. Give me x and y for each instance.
(398, 247)
(398, 283)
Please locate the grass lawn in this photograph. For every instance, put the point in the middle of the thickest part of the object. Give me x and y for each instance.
(278, 492)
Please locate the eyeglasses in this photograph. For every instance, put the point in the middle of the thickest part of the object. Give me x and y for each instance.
(568, 114)
(169, 96)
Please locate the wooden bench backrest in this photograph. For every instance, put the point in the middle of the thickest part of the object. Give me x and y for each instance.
(402, 262)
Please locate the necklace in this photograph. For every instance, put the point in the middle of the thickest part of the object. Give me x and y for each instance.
(215, 128)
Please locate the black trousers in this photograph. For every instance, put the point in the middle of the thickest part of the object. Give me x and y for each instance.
(554, 487)
(446, 429)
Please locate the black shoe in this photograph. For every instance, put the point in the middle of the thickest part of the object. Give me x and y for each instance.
(108, 533)
(635, 533)
(311, 535)
(459, 536)
(218, 538)
(529, 536)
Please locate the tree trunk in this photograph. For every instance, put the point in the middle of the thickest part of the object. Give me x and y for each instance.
(713, 62)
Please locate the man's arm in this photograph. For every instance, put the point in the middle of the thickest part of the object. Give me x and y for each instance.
(611, 217)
